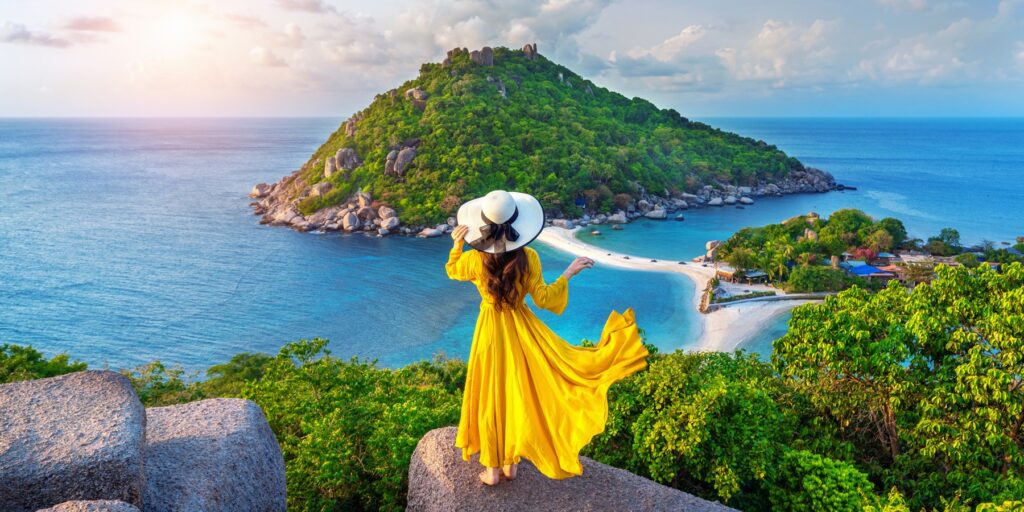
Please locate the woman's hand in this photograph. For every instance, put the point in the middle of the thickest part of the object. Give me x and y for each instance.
(459, 234)
(577, 266)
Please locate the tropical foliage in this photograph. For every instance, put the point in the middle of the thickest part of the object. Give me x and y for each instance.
(899, 400)
(553, 134)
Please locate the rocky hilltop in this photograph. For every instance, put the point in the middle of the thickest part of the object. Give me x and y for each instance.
(500, 118)
(440, 481)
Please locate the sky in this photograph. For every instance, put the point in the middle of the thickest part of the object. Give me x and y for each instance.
(328, 58)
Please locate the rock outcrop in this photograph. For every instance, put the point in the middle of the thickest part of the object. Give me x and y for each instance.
(216, 454)
(417, 96)
(347, 159)
(483, 57)
(92, 506)
(403, 159)
(530, 51)
(74, 437)
(82, 442)
(439, 480)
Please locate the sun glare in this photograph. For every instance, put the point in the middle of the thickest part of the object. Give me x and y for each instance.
(176, 34)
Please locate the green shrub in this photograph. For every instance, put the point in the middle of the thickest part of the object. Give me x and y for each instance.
(807, 481)
(19, 362)
(706, 423)
(348, 428)
(816, 278)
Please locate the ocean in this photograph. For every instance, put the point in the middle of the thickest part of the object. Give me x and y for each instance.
(128, 240)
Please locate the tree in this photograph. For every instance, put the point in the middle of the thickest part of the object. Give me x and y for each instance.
(895, 229)
(741, 259)
(704, 422)
(950, 237)
(880, 241)
(925, 383)
(815, 278)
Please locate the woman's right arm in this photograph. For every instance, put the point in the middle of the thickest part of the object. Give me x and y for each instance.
(458, 266)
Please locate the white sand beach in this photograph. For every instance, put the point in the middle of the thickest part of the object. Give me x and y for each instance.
(721, 330)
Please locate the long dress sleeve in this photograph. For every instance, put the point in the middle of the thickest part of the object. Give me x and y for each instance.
(459, 266)
(552, 297)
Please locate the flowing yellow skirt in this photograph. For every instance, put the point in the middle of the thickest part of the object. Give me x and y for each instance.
(531, 394)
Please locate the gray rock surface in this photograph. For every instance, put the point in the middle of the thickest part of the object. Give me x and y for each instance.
(347, 159)
(658, 214)
(439, 480)
(390, 223)
(386, 212)
(350, 222)
(618, 218)
(77, 436)
(403, 160)
(92, 506)
(212, 455)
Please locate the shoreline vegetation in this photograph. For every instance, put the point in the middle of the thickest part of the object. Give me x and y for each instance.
(880, 397)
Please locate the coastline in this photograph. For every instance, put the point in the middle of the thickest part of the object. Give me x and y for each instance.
(721, 330)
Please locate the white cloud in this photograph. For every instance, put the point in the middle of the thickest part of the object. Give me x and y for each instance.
(262, 56)
(781, 52)
(293, 36)
(16, 33)
(671, 47)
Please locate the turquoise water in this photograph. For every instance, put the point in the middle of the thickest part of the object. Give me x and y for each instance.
(124, 241)
(935, 173)
(961, 173)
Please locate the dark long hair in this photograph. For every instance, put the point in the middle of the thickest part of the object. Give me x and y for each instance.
(506, 275)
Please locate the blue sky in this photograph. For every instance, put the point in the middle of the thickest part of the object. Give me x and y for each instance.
(329, 57)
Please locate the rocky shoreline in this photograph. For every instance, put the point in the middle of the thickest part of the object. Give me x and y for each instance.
(278, 204)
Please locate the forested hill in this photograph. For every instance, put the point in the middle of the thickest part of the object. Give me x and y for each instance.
(513, 119)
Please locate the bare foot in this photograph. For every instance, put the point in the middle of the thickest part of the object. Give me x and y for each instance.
(510, 471)
(490, 476)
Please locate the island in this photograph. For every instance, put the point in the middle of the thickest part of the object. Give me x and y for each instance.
(512, 119)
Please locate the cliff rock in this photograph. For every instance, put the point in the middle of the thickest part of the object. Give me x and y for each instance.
(216, 454)
(77, 436)
(439, 480)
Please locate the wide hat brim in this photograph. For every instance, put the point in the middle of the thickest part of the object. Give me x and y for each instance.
(528, 224)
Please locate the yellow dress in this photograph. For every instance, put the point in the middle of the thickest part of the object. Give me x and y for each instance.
(529, 393)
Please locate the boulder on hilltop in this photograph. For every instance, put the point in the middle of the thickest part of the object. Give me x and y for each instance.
(74, 437)
(439, 480)
(216, 454)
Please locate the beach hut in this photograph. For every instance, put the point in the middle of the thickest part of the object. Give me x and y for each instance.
(745, 276)
(870, 272)
(884, 258)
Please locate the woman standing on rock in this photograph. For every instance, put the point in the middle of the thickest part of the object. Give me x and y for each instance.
(528, 392)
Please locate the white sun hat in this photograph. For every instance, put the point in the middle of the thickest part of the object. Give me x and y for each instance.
(501, 221)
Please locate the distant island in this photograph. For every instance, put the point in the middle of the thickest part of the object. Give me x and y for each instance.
(512, 119)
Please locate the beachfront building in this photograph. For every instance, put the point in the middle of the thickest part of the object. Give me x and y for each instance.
(863, 269)
(731, 275)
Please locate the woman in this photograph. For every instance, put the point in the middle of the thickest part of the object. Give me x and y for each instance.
(528, 392)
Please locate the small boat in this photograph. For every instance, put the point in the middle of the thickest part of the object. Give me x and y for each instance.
(595, 232)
